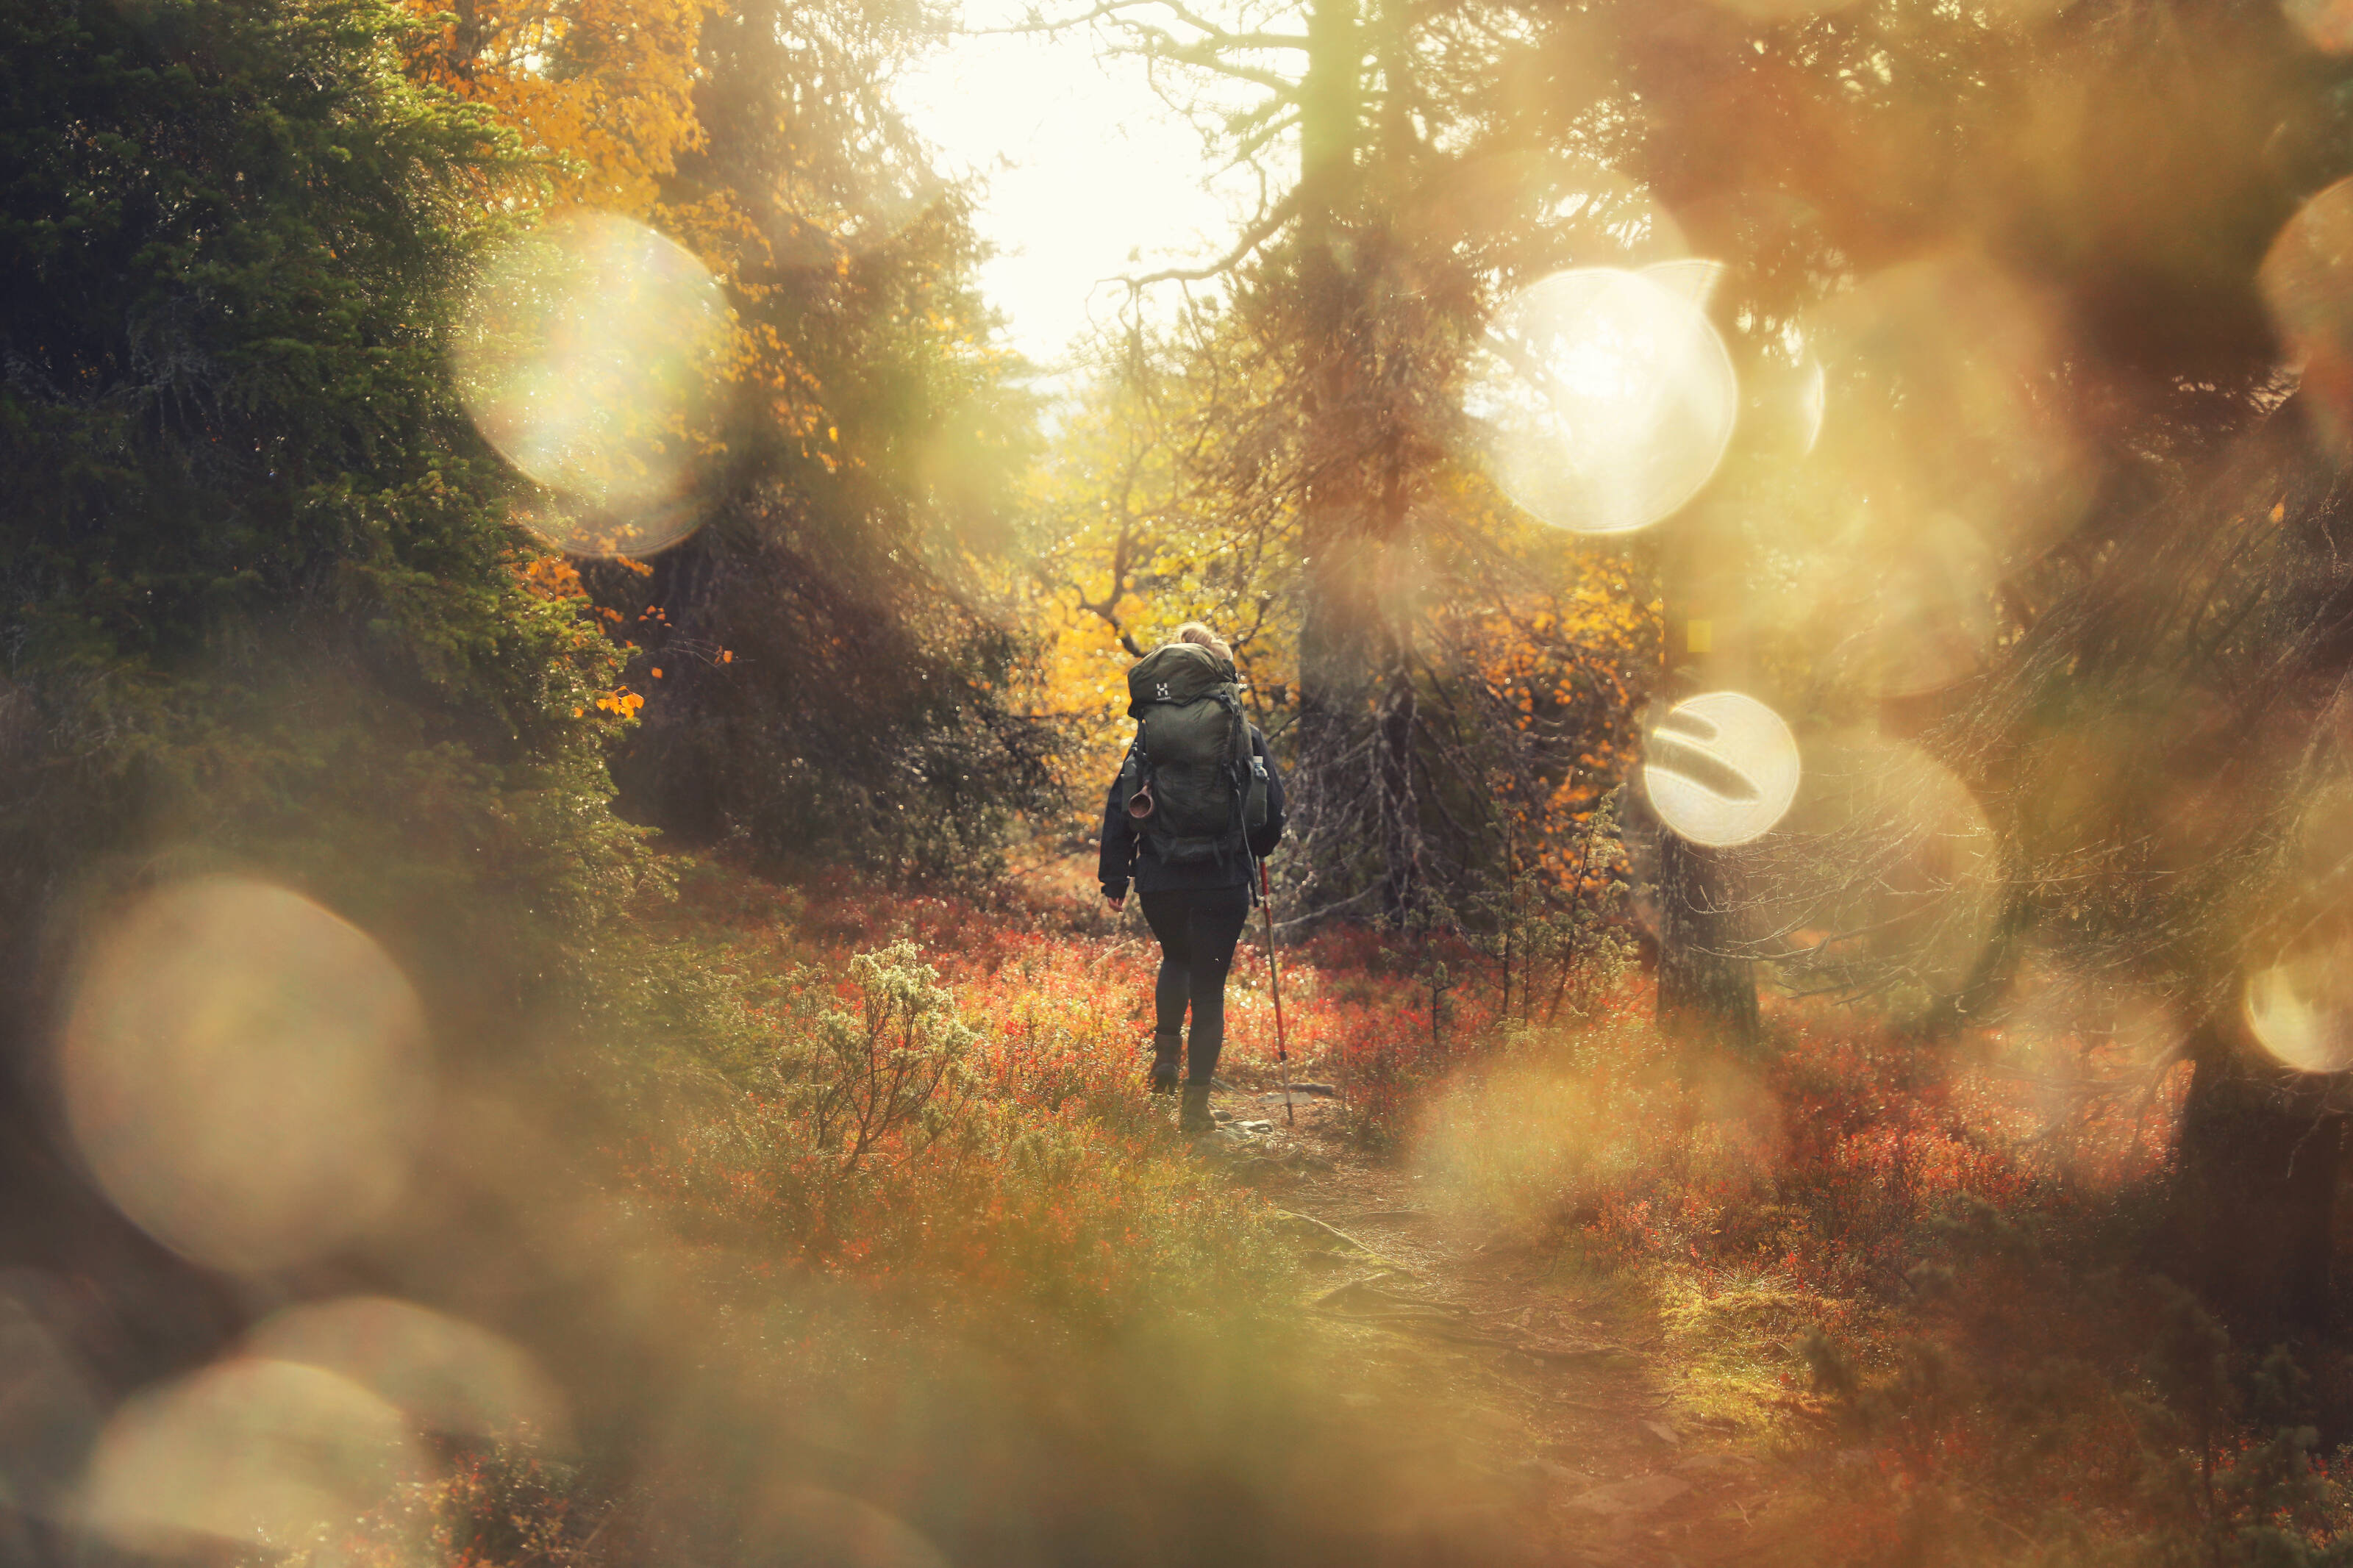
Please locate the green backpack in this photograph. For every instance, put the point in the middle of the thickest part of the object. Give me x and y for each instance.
(1205, 787)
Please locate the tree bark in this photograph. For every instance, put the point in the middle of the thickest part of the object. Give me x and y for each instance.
(2254, 1212)
(1400, 811)
(1702, 992)
(1358, 715)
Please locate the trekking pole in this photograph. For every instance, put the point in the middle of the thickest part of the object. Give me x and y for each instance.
(1274, 983)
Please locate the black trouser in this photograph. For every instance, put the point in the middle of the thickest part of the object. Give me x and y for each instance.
(1198, 927)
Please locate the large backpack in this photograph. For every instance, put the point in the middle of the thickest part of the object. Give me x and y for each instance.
(1193, 754)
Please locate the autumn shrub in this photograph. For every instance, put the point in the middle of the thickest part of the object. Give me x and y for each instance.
(878, 1123)
(499, 1502)
(1608, 1131)
(1870, 1249)
(2038, 1406)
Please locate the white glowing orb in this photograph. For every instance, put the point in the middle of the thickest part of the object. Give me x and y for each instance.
(244, 1073)
(1784, 397)
(1945, 397)
(592, 354)
(1608, 397)
(246, 1450)
(1887, 874)
(1923, 606)
(2306, 280)
(444, 1376)
(1722, 769)
(2301, 1010)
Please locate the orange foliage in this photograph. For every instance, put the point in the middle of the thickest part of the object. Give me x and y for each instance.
(605, 85)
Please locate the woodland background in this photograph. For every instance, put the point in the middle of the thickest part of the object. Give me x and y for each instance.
(1971, 1166)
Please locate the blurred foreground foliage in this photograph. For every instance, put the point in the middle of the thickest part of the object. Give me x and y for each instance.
(883, 1122)
(1924, 1289)
(263, 602)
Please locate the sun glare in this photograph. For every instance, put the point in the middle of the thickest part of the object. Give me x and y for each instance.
(1607, 396)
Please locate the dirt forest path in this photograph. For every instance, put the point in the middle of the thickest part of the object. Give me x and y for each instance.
(1540, 1410)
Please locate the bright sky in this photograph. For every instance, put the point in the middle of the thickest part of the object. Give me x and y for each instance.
(1082, 168)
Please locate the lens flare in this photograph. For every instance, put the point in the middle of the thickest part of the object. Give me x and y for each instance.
(2298, 1000)
(2300, 1009)
(1889, 611)
(1608, 396)
(249, 1450)
(2306, 280)
(1782, 411)
(1889, 874)
(591, 354)
(244, 1073)
(2326, 25)
(445, 1375)
(1944, 398)
(1930, 623)
(1722, 769)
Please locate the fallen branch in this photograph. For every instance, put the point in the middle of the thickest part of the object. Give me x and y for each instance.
(1334, 1231)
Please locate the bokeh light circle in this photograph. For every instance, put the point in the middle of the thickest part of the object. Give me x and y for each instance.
(1885, 610)
(1607, 396)
(244, 1072)
(1946, 395)
(2306, 280)
(1887, 874)
(1722, 769)
(2300, 1009)
(1785, 399)
(592, 353)
(2326, 25)
(251, 1450)
(2297, 998)
(445, 1375)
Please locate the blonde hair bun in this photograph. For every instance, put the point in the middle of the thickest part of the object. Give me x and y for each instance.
(1199, 636)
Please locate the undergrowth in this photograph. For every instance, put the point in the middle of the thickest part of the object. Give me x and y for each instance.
(888, 1127)
(1912, 1281)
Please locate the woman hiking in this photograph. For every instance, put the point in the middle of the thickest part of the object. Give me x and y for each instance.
(1196, 806)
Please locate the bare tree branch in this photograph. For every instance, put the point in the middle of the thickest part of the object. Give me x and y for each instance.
(1256, 235)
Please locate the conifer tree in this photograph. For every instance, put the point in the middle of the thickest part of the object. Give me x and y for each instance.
(262, 603)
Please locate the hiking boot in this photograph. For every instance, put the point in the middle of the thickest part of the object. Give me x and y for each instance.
(1167, 1055)
(1193, 1115)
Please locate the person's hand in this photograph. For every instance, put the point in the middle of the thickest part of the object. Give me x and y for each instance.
(1118, 901)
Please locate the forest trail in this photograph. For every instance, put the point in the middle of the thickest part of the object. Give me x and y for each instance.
(1540, 1409)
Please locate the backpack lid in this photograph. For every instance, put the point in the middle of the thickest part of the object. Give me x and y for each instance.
(1175, 672)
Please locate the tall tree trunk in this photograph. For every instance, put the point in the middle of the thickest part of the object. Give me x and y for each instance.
(1401, 812)
(2254, 1193)
(1357, 715)
(1328, 100)
(1701, 991)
